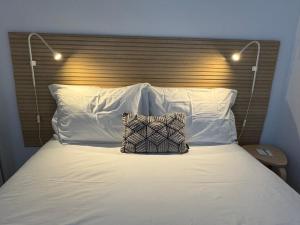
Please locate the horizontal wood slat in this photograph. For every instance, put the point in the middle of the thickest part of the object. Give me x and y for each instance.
(112, 61)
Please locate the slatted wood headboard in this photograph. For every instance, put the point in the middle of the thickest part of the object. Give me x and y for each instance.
(111, 61)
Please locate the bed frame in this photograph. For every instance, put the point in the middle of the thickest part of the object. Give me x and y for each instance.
(112, 61)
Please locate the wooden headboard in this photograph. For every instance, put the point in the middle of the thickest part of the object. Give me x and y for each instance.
(111, 61)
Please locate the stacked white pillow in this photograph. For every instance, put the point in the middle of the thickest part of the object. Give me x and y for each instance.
(208, 112)
(87, 114)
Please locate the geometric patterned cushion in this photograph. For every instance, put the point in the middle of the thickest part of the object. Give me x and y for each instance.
(154, 134)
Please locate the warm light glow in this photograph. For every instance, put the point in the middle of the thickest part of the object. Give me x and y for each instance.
(57, 56)
(236, 57)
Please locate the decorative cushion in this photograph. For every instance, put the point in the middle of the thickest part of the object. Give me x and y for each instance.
(154, 134)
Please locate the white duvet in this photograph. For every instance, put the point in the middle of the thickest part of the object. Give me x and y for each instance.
(216, 185)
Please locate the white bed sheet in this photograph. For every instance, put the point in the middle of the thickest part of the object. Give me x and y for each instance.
(216, 185)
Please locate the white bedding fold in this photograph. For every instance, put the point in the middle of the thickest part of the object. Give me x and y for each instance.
(215, 185)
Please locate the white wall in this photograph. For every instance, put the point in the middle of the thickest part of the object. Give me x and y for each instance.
(288, 134)
(252, 19)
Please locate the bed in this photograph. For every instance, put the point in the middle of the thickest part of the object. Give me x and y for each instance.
(74, 180)
(211, 185)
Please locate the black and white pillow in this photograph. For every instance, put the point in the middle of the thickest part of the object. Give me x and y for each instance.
(154, 134)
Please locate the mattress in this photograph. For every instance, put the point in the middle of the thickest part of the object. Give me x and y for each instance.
(210, 185)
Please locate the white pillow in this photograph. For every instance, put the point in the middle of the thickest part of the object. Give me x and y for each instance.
(209, 116)
(88, 114)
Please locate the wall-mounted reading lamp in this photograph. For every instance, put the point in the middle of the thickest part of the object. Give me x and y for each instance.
(33, 63)
(237, 57)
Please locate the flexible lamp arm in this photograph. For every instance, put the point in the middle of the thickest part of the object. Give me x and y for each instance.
(254, 68)
(57, 56)
(33, 63)
(42, 39)
(236, 57)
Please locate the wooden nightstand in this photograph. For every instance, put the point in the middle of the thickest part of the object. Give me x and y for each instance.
(277, 161)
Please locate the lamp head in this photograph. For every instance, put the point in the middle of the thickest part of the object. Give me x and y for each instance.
(57, 56)
(236, 56)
